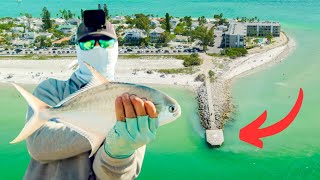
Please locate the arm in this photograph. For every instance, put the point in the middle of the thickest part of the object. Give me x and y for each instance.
(106, 167)
(54, 140)
(122, 154)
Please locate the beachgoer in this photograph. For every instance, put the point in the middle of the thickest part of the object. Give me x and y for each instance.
(58, 152)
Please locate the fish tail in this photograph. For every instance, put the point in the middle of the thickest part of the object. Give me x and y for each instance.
(35, 121)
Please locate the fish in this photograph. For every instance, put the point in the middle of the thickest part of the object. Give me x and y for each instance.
(90, 111)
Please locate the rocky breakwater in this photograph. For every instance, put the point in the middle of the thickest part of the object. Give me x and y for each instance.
(203, 106)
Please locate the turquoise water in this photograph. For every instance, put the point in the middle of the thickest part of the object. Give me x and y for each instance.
(180, 152)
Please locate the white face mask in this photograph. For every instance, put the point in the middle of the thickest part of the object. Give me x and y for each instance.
(102, 59)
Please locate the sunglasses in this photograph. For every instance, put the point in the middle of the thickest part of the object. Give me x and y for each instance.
(88, 42)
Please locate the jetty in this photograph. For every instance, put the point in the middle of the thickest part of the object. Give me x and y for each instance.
(214, 133)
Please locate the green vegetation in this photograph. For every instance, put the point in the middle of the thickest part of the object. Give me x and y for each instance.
(56, 33)
(200, 77)
(245, 19)
(142, 22)
(269, 37)
(45, 15)
(202, 20)
(204, 35)
(106, 11)
(43, 41)
(215, 54)
(220, 19)
(192, 60)
(66, 14)
(168, 26)
(187, 70)
(234, 52)
(211, 75)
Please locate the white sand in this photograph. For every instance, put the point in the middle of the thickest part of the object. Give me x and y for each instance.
(245, 64)
(135, 70)
(127, 70)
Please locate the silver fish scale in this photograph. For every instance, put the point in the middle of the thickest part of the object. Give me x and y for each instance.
(102, 98)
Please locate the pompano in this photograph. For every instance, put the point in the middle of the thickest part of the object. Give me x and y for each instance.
(91, 112)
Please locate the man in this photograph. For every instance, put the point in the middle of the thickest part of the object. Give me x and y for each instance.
(59, 152)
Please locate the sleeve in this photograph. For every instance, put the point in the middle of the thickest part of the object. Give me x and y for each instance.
(106, 167)
(54, 140)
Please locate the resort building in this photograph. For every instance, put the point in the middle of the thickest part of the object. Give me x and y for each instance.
(235, 36)
(263, 28)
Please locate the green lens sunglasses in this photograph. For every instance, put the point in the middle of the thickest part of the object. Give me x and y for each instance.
(88, 43)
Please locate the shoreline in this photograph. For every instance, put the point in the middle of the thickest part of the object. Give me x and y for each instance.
(241, 67)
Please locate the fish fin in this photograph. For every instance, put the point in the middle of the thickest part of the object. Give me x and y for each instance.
(35, 121)
(74, 64)
(97, 80)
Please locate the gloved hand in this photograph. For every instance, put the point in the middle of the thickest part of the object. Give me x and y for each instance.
(136, 126)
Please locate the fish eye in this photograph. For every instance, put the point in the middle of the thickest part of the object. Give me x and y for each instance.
(172, 108)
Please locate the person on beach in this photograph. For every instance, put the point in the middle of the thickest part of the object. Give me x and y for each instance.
(58, 152)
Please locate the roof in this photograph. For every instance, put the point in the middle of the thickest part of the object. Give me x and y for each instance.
(237, 29)
(158, 30)
(134, 30)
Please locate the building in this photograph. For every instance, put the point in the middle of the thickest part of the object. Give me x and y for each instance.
(235, 36)
(263, 28)
(73, 21)
(36, 24)
(155, 34)
(174, 22)
(180, 38)
(67, 28)
(154, 22)
(134, 34)
(29, 35)
(59, 21)
(17, 29)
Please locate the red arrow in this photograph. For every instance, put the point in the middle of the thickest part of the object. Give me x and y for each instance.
(252, 134)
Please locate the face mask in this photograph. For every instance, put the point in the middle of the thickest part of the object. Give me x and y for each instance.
(102, 59)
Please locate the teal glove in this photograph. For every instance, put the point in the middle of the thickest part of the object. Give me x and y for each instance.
(125, 137)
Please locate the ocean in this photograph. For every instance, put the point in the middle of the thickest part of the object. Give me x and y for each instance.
(180, 151)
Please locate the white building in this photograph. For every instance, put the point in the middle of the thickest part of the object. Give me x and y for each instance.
(59, 21)
(29, 35)
(17, 29)
(73, 21)
(134, 34)
(67, 29)
(174, 22)
(154, 22)
(36, 24)
(155, 34)
(235, 36)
